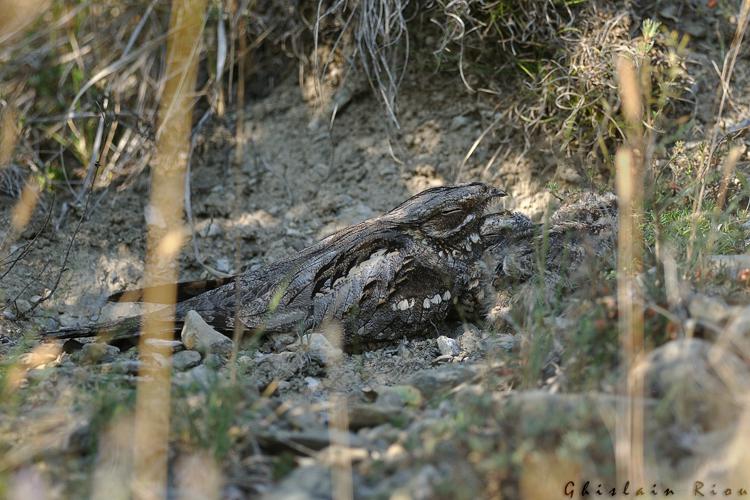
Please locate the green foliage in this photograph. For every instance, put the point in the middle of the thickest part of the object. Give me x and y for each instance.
(593, 350)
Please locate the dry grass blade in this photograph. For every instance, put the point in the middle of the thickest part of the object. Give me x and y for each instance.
(381, 43)
(18, 15)
(629, 445)
(152, 415)
(239, 154)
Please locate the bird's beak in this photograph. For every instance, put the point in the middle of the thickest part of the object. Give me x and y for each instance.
(496, 192)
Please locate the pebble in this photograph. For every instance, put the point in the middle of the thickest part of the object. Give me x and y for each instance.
(448, 346)
(399, 395)
(21, 305)
(200, 375)
(362, 415)
(185, 360)
(459, 122)
(436, 380)
(127, 367)
(199, 336)
(223, 265)
(312, 383)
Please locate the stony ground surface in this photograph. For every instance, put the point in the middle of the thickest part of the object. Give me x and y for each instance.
(446, 417)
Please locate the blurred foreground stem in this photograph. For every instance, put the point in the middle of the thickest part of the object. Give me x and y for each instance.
(165, 236)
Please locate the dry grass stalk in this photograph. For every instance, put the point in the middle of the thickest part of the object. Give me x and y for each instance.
(342, 483)
(18, 15)
(8, 134)
(198, 477)
(629, 184)
(164, 243)
(381, 43)
(240, 34)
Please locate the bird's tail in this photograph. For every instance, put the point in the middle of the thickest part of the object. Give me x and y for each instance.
(185, 290)
(123, 332)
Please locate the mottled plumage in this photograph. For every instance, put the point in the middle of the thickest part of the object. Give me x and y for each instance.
(577, 231)
(384, 279)
(561, 252)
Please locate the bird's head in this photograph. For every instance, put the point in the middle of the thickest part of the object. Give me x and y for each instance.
(447, 215)
(504, 227)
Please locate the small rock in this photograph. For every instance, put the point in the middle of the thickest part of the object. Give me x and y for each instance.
(448, 346)
(230, 492)
(185, 360)
(669, 11)
(200, 375)
(363, 415)
(215, 361)
(312, 383)
(23, 305)
(67, 321)
(399, 395)
(39, 374)
(281, 342)
(127, 367)
(435, 380)
(223, 265)
(98, 352)
(199, 336)
(459, 122)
